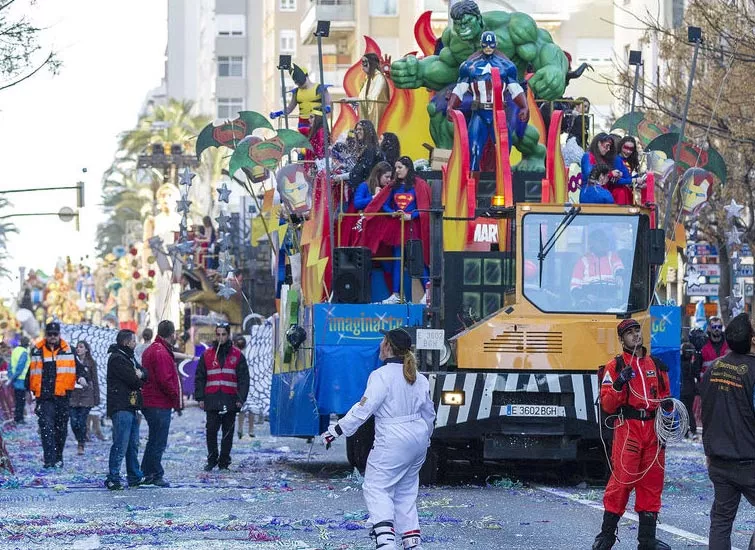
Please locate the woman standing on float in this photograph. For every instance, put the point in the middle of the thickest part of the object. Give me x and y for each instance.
(404, 417)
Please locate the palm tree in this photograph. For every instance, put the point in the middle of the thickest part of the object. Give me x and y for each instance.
(128, 190)
(6, 228)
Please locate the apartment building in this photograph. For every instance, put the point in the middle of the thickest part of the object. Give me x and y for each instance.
(223, 54)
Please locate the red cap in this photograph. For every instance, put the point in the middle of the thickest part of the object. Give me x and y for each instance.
(625, 325)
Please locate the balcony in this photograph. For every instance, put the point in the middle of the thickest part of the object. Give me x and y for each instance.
(340, 13)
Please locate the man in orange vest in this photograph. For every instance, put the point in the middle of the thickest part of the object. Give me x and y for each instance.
(221, 385)
(53, 371)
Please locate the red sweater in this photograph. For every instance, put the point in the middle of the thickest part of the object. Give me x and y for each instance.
(163, 387)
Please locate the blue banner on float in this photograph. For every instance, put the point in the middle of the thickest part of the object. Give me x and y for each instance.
(666, 341)
(293, 410)
(347, 337)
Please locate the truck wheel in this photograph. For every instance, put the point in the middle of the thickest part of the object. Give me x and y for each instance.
(433, 470)
(358, 446)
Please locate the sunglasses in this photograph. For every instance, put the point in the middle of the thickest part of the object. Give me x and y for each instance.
(716, 327)
(52, 334)
(628, 147)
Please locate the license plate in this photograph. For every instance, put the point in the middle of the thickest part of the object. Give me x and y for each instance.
(533, 410)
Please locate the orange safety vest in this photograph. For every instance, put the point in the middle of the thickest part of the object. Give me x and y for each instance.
(591, 269)
(65, 367)
(222, 377)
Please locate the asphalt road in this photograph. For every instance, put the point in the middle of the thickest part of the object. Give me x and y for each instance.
(284, 493)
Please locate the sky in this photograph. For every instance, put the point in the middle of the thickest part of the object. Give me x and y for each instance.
(53, 127)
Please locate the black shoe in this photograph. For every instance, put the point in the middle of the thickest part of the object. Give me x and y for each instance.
(208, 467)
(136, 483)
(646, 533)
(160, 483)
(48, 466)
(224, 469)
(607, 536)
(114, 485)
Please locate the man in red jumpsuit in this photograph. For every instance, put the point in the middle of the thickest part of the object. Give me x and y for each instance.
(634, 386)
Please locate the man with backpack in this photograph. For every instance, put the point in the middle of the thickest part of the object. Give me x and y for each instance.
(634, 386)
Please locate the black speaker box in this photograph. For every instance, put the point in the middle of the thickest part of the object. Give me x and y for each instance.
(351, 275)
(414, 258)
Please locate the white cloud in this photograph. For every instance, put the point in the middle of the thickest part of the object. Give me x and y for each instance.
(113, 53)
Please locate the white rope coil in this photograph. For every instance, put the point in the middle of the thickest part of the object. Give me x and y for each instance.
(671, 426)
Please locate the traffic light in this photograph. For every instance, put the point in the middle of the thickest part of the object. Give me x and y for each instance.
(80, 194)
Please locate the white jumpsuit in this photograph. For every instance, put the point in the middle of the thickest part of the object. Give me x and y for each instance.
(404, 417)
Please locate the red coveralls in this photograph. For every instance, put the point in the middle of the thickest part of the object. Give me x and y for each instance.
(636, 459)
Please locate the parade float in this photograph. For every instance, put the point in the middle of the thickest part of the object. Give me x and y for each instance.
(510, 349)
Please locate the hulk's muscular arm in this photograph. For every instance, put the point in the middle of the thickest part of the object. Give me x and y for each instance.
(434, 71)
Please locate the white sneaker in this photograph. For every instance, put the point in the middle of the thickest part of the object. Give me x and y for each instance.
(392, 299)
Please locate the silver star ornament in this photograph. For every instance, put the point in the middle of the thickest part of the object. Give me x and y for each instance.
(183, 205)
(223, 193)
(186, 177)
(226, 292)
(733, 209)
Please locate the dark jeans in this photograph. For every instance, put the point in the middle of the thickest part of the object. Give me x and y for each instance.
(730, 480)
(215, 421)
(53, 427)
(79, 423)
(158, 421)
(688, 400)
(20, 396)
(125, 443)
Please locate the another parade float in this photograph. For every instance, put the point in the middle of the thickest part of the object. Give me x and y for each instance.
(509, 336)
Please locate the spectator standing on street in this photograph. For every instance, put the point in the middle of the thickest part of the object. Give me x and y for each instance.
(691, 364)
(125, 379)
(146, 341)
(162, 394)
(84, 397)
(714, 348)
(52, 375)
(19, 369)
(221, 387)
(246, 412)
(728, 402)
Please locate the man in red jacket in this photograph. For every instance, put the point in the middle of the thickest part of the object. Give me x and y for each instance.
(634, 386)
(161, 394)
(716, 345)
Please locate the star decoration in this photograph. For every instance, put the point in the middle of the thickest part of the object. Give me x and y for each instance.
(223, 242)
(485, 69)
(692, 277)
(226, 292)
(733, 209)
(732, 237)
(183, 205)
(736, 305)
(224, 222)
(223, 193)
(186, 177)
(225, 265)
(185, 247)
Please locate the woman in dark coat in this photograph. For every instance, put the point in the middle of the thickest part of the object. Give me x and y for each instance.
(84, 398)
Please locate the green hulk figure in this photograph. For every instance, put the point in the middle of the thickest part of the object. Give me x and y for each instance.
(519, 39)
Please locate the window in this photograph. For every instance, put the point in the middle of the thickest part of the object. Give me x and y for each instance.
(231, 66)
(231, 24)
(228, 107)
(596, 265)
(287, 42)
(383, 8)
(287, 5)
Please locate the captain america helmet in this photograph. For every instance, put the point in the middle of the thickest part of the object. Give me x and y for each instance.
(488, 40)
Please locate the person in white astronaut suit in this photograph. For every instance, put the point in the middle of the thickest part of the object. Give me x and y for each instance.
(404, 418)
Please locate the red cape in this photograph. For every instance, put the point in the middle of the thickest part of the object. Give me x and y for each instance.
(387, 230)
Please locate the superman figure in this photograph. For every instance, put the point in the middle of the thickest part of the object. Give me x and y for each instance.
(407, 197)
(475, 76)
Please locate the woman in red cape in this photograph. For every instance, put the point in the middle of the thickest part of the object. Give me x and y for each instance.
(408, 195)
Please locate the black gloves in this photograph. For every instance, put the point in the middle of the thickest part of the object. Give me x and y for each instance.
(624, 376)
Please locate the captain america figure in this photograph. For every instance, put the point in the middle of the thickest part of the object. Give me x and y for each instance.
(475, 76)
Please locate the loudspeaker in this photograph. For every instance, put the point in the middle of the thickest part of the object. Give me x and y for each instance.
(414, 258)
(351, 275)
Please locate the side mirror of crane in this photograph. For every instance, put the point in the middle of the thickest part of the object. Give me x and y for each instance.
(657, 246)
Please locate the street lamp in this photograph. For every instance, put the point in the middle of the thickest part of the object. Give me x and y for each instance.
(635, 60)
(323, 31)
(284, 64)
(694, 36)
